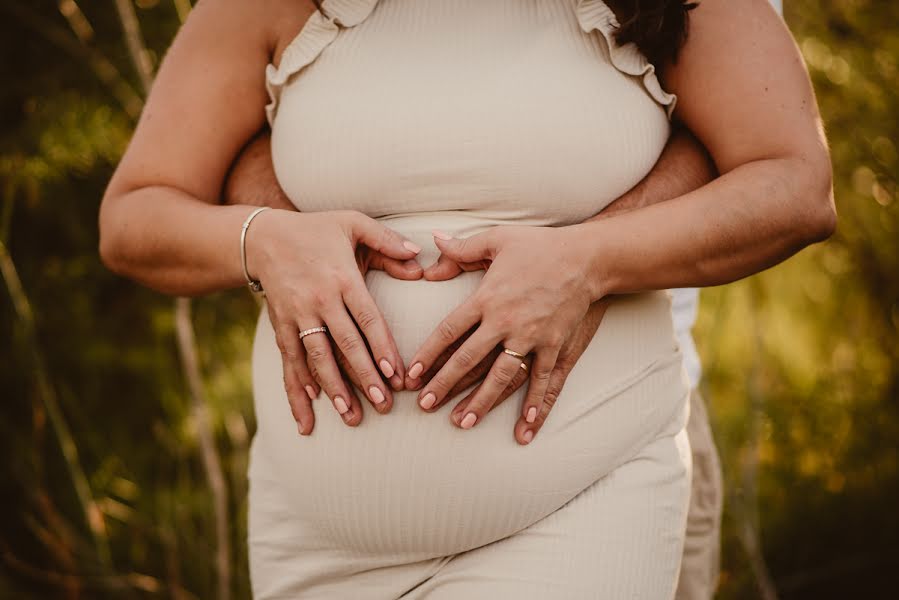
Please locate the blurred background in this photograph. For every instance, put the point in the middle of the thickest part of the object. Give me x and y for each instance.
(126, 415)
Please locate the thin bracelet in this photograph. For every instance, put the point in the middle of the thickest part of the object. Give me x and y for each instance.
(254, 284)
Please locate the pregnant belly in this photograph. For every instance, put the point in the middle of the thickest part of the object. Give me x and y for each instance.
(412, 484)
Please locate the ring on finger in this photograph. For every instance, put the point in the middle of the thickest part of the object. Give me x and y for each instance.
(513, 353)
(305, 332)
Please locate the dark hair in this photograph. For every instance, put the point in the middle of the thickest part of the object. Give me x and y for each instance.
(657, 27)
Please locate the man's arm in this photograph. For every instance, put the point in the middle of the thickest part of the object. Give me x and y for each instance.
(252, 179)
(683, 166)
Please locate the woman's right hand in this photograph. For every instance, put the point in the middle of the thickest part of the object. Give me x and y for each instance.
(307, 264)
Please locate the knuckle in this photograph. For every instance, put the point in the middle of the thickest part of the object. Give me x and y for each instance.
(317, 354)
(505, 321)
(317, 301)
(542, 374)
(501, 377)
(289, 352)
(465, 358)
(447, 331)
(366, 319)
(439, 384)
(549, 400)
(479, 300)
(565, 362)
(349, 343)
(520, 377)
(291, 387)
(555, 339)
(365, 373)
(384, 237)
(346, 282)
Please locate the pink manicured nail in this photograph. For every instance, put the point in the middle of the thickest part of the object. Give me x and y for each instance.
(386, 368)
(376, 394)
(469, 421)
(416, 370)
(532, 414)
(528, 436)
(428, 401)
(341, 405)
(441, 235)
(310, 391)
(413, 247)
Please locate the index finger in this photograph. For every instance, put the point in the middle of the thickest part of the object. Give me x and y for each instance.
(451, 328)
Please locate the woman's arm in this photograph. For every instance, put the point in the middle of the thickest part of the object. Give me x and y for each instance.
(205, 104)
(745, 93)
(161, 222)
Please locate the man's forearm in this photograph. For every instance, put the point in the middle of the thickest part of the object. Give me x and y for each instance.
(252, 178)
(683, 166)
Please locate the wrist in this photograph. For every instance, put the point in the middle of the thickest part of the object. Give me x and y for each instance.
(257, 243)
(590, 239)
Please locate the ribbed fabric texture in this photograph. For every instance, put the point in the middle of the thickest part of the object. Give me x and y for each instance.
(462, 115)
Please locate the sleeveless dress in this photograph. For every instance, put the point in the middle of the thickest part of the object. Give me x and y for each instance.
(463, 115)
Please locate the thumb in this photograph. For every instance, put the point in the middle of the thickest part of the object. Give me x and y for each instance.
(445, 268)
(383, 239)
(408, 270)
(466, 250)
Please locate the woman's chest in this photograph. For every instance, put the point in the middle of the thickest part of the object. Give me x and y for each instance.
(519, 119)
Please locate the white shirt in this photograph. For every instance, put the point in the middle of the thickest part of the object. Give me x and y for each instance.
(685, 306)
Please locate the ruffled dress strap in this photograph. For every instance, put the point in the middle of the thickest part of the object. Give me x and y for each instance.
(317, 34)
(595, 15)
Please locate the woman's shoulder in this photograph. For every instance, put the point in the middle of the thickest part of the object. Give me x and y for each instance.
(285, 19)
(272, 23)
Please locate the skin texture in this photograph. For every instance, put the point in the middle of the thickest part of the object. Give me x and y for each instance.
(758, 121)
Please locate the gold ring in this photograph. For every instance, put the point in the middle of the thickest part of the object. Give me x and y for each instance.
(513, 353)
(306, 332)
(524, 366)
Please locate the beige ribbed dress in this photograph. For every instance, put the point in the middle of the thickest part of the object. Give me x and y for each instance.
(462, 115)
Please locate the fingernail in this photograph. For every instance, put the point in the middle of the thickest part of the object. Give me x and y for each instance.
(310, 391)
(341, 405)
(528, 436)
(416, 370)
(376, 394)
(531, 416)
(469, 421)
(299, 428)
(441, 235)
(386, 368)
(428, 400)
(412, 247)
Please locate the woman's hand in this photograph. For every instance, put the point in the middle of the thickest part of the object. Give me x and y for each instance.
(311, 267)
(534, 294)
(525, 429)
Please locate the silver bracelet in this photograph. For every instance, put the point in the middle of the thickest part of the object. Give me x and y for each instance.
(254, 284)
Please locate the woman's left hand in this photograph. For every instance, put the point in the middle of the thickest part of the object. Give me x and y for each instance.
(534, 294)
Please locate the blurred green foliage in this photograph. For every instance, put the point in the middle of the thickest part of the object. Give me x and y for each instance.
(801, 362)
